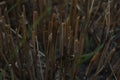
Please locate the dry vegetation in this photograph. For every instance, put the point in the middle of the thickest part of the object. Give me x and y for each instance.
(59, 40)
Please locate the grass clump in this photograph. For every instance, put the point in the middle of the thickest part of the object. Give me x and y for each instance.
(59, 40)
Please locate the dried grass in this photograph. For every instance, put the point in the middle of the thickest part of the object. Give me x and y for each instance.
(52, 40)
